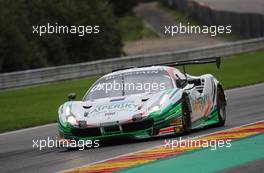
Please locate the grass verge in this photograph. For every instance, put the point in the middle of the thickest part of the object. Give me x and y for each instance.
(38, 105)
(235, 71)
(132, 28)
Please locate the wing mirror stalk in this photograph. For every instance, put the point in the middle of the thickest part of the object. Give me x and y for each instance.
(71, 96)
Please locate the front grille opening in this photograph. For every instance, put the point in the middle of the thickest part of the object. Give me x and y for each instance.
(136, 126)
(112, 129)
(86, 132)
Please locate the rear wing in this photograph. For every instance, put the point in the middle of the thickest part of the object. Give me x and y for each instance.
(216, 60)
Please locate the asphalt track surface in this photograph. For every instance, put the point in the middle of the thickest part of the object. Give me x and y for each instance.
(245, 105)
(157, 19)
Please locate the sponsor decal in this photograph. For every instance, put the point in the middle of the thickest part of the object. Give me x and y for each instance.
(199, 103)
(109, 108)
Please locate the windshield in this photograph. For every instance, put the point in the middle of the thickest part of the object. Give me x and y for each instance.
(147, 81)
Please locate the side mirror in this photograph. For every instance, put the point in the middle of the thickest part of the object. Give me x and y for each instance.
(71, 96)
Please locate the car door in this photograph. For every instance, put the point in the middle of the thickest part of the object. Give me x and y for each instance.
(200, 97)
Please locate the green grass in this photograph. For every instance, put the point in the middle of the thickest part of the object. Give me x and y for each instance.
(38, 105)
(132, 28)
(236, 71)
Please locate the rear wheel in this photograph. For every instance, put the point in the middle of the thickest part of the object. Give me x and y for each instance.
(186, 115)
(221, 107)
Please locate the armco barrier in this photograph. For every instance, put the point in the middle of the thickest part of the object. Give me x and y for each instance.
(74, 71)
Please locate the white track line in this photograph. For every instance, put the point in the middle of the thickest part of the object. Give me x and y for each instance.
(27, 129)
(115, 157)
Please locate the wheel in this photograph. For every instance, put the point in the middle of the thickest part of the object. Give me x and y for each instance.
(186, 115)
(221, 107)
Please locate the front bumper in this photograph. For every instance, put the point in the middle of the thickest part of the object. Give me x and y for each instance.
(137, 129)
(127, 129)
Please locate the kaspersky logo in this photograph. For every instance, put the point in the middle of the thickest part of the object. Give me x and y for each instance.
(114, 107)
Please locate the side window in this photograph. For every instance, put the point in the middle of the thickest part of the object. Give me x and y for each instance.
(181, 80)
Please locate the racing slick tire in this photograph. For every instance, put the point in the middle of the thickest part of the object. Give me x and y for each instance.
(221, 106)
(186, 114)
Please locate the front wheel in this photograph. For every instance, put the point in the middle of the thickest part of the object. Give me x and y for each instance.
(221, 107)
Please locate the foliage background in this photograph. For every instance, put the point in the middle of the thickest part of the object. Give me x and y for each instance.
(21, 50)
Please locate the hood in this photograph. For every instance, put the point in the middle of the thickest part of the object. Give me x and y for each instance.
(115, 110)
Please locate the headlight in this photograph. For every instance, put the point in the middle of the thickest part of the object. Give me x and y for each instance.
(157, 106)
(137, 117)
(154, 109)
(72, 120)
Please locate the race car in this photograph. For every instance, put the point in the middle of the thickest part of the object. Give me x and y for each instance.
(143, 102)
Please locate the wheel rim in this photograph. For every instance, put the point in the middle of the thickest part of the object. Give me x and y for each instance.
(222, 112)
(221, 103)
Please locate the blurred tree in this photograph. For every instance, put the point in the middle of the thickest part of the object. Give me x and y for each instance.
(20, 49)
(123, 7)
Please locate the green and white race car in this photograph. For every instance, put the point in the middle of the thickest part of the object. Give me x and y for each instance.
(144, 102)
